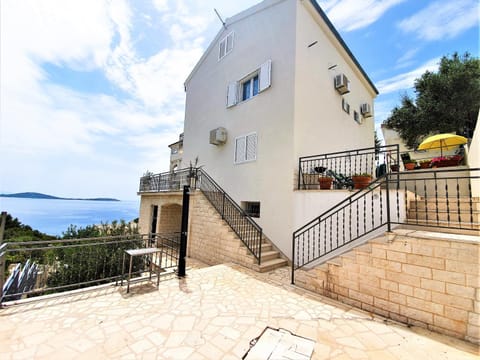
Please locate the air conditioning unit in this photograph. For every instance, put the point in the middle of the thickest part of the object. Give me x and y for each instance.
(218, 136)
(342, 85)
(366, 110)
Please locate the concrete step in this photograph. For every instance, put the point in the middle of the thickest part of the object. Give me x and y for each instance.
(441, 204)
(463, 216)
(447, 224)
(269, 255)
(270, 265)
(265, 247)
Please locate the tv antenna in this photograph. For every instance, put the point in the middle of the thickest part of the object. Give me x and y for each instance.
(223, 22)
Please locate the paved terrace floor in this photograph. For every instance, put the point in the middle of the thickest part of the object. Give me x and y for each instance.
(211, 314)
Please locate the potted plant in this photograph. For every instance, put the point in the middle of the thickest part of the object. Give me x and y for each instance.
(146, 181)
(394, 167)
(409, 164)
(325, 182)
(425, 164)
(361, 181)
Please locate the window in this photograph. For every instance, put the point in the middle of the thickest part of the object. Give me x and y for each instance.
(251, 208)
(245, 148)
(250, 86)
(225, 46)
(345, 106)
(356, 117)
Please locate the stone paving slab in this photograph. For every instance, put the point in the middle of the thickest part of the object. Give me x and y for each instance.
(213, 313)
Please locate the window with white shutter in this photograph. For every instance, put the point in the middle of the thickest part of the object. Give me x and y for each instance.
(245, 148)
(251, 85)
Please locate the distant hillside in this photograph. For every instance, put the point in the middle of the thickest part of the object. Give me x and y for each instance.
(35, 195)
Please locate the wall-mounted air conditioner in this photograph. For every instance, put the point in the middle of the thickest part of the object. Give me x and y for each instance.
(342, 85)
(218, 136)
(366, 110)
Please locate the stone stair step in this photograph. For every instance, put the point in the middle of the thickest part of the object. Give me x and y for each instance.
(269, 255)
(465, 217)
(446, 224)
(270, 265)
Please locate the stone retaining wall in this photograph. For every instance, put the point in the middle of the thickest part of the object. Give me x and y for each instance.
(425, 279)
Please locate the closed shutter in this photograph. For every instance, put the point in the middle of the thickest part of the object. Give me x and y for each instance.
(240, 149)
(265, 75)
(251, 143)
(232, 94)
(229, 41)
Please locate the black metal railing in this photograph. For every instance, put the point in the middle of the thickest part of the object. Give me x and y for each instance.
(45, 267)
(435, 198)
(249, 232)
(375, 161)
(168, 181)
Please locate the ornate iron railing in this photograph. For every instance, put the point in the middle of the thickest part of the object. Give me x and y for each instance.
(249, 232)
(167, 181)
(375, 161)
(44, 267)
(425, 198)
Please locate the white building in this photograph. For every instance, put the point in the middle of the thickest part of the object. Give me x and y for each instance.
(267, 80)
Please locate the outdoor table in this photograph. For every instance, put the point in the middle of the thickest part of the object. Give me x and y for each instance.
(139, 252)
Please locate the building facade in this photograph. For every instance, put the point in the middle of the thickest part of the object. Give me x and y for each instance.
(276, 83)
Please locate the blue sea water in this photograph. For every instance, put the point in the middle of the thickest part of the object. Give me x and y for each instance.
(54, 216)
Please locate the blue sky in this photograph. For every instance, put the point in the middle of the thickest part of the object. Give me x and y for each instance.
(91, 91)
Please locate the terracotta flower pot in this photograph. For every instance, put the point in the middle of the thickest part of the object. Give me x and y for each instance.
(394, 167)
(410, 166)
(425, 165)
(360, 182)
(325, 183)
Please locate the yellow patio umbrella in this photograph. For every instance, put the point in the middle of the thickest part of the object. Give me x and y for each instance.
(442, 141)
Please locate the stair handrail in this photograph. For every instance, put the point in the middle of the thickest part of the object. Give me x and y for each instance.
(252, 234)
(356, 196)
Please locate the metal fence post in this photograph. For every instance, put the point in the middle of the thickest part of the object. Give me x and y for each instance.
(184, 232)
(389, 226)
(2, 253)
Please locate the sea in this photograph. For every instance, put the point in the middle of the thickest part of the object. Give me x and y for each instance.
(53, 217)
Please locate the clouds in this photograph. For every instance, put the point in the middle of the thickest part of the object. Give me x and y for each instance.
(442, 19)
(349, 15)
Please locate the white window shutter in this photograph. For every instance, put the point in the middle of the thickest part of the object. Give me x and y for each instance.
(265, 75)
(240, 149)
(251, 144)
(232, 94)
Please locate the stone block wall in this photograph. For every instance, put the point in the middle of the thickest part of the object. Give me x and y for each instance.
(170, 218)
(425, 279)
(210, 239)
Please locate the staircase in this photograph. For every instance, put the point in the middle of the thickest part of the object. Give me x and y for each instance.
(215, 241)
(453, 214)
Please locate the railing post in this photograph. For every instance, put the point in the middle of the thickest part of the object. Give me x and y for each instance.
(184, 232)
(293, 259)
(223, 206)
(260, 248)
(299, 171)
(389, 226)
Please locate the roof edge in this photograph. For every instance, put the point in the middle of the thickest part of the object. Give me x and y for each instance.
(340, 40)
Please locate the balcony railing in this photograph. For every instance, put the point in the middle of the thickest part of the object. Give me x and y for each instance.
(167, 181)
(45, 267)
(443, 199)
(341, 165)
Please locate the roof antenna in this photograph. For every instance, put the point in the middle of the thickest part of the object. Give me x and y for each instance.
(223, 22)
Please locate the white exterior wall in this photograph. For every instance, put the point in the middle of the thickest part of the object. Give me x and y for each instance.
(321, 125)
(300, 114)
(269, 34)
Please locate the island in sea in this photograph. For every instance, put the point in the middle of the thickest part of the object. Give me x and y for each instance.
(35, 195)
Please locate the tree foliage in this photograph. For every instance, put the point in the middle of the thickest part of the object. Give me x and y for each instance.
(446, 101)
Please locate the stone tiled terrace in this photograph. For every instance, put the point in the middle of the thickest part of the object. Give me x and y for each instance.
(211, 314)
